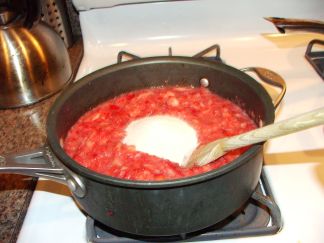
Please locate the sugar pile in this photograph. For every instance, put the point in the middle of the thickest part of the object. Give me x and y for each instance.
(164, 136)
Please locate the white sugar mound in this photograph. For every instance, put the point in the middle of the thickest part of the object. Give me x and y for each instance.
(164, 136)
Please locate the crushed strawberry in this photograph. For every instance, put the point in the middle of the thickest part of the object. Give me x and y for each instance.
(95, 140)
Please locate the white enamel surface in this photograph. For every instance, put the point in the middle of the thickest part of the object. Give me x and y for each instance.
(166, 137)
(52, 216)
(294, 163)
(82, 5)
(186, 26)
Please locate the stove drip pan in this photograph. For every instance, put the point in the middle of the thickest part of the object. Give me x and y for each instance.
(259, 216)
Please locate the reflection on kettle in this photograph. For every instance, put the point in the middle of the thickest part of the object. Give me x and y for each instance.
(34, 61)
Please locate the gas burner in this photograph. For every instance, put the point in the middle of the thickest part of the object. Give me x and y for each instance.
(259, 216)
(316, 58)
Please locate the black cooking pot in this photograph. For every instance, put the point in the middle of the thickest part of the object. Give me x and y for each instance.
(154, 208)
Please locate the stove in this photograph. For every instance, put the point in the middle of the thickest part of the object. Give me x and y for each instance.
(293, 172)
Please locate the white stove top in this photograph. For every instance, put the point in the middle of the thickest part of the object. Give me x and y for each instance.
(294, 163)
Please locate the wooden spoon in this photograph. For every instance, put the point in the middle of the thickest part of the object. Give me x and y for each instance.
(207, 153)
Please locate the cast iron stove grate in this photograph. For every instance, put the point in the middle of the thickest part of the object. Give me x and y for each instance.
(260, 216)
(316, 58)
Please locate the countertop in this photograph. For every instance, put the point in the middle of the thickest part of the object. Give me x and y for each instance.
(23, 129)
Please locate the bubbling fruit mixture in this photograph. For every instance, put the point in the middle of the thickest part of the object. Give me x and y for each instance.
(96, 139)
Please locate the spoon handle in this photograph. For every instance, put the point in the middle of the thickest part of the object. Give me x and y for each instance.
(291, 125)
(213, 150)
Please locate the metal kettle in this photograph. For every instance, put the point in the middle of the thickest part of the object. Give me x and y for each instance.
(34, 61)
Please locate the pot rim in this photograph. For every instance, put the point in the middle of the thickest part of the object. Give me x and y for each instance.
(54, 140)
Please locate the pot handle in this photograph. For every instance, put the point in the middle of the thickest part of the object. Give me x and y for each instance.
(272, 78)
(297, 24)
(35, 163)
(42, 163)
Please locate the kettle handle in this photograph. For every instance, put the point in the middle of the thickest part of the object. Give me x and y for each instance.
(26, 12)
(33, 12)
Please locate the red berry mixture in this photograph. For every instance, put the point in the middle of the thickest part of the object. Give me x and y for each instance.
(95, 140)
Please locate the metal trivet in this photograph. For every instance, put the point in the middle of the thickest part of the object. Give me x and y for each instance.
(260, 216)
(316, 58)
